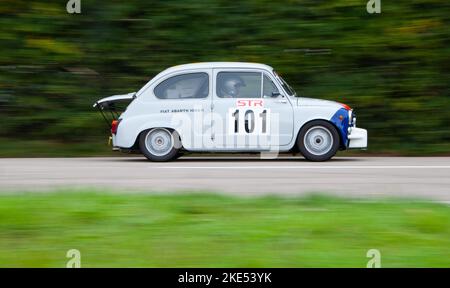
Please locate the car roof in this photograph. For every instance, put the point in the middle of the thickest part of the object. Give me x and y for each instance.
(204, 65)
(209, 65)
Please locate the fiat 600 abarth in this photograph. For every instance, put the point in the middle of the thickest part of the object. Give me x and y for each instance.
(228, 107)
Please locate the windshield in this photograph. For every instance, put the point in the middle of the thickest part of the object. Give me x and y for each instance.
(286, 86)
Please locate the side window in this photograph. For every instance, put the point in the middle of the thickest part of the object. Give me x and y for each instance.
(238, 85)
(185, 86)
(269, 87)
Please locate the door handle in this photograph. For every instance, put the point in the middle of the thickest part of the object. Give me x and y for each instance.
(281, 101)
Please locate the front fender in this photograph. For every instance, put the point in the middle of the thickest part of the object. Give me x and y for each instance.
(341, 121)
(330, 114)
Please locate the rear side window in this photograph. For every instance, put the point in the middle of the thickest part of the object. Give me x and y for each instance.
(185, 86)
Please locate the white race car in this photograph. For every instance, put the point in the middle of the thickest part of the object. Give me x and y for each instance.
(228, 107)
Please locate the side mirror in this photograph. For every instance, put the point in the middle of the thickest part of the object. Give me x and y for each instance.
(275, 94)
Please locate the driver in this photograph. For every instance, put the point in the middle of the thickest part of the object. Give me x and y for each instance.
(230, 86)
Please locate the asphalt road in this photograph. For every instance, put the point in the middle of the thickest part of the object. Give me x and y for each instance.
(426, 177)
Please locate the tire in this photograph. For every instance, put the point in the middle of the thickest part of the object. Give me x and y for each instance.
(159, 144)
(179, 154)
(318, 140)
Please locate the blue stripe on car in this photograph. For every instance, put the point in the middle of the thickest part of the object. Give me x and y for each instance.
(342, 125)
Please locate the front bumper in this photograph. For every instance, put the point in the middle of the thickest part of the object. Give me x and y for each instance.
(357, 138)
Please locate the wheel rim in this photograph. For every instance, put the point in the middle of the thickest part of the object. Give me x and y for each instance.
(318, 140)
(159, 142)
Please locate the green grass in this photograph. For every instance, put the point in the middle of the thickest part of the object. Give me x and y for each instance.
(209, 230)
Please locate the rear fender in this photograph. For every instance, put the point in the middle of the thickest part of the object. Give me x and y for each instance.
(130, 128)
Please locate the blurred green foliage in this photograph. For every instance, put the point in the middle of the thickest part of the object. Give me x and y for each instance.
(392, 67)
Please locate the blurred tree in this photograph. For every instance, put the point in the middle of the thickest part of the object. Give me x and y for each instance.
(393, 67)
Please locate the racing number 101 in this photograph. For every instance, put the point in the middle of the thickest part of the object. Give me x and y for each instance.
(249, 118)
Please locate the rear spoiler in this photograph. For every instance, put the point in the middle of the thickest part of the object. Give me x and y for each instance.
(106, 105)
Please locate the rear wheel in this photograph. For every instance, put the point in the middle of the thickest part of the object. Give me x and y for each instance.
(158, 144)
(318, 140)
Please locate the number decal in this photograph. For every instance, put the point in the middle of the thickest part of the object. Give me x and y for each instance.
(252, 121)
(236, 120)
(249, 125)
(263, 116)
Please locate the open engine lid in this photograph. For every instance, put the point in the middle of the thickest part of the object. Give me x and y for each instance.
(108, 109)
(115, 98)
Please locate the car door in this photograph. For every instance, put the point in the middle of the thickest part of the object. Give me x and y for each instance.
(282, 112)
(244, 118)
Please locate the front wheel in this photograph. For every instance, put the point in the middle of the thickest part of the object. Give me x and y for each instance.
(318, 140)
(158, 144)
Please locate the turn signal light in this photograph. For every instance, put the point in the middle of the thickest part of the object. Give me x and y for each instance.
(345, 106)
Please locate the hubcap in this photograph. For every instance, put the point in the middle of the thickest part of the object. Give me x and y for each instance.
(159, 142)
(318, 140)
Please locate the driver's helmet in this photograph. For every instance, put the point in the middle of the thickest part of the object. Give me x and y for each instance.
(229, 85)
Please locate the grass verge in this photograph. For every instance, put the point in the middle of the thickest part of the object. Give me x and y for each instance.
(208, 230)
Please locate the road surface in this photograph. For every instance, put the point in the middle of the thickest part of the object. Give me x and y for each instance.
(425, 177)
